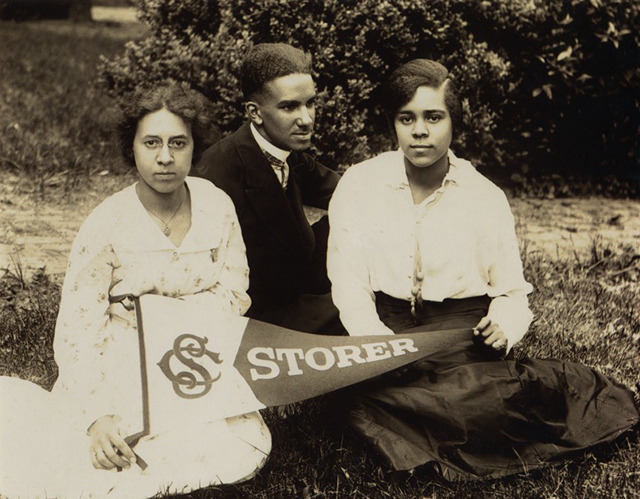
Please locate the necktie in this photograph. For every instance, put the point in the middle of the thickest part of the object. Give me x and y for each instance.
(279, 167)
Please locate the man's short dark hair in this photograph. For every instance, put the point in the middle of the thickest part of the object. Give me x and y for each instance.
(405, 81)
(267, 61)
(179, 98)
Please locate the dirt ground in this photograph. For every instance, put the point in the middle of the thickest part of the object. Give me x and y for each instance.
(37, 233)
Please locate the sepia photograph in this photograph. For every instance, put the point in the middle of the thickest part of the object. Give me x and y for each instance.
(319, 249)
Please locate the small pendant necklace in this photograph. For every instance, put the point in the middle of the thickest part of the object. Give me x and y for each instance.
(167, 229)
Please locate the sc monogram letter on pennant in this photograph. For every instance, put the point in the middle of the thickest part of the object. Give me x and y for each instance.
(197, 381)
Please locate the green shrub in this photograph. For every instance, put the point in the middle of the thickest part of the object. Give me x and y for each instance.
(354, 46)
(573, 105)
(549, 86)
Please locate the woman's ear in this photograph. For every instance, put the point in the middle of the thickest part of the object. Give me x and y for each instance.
(252, 109)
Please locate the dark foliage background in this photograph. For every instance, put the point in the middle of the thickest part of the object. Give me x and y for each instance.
(550, 86)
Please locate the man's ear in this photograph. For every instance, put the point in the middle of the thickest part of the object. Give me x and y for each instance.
(252, 108)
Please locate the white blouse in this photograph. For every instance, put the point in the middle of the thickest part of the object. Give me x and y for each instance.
(120, 246)
(466, 235)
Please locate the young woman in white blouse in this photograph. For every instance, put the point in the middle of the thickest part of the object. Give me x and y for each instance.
(168, 234)
(421, 241)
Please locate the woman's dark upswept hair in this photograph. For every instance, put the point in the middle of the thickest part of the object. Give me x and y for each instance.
(180, 99)
(404, 81)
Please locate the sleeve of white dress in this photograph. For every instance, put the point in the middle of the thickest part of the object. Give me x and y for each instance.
(229, 294)
(82, 336)
(347, 264)
(507, 287)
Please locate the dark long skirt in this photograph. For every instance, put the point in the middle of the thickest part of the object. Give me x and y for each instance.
(474, 414)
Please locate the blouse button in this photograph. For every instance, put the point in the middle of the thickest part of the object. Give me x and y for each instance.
(175, 256)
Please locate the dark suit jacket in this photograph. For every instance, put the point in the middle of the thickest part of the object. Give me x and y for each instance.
(281, 245)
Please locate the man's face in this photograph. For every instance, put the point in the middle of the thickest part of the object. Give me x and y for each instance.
(285, 111)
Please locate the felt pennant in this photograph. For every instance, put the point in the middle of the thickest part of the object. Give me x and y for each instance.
(199, 364)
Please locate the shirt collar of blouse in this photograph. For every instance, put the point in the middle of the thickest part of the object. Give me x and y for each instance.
(456, 175)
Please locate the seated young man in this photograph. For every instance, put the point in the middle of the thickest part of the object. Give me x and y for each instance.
(269, 177)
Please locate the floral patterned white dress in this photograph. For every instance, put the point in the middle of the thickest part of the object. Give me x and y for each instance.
(44, 449)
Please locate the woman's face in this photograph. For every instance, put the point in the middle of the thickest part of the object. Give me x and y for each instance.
(163, 149)
(423, 127)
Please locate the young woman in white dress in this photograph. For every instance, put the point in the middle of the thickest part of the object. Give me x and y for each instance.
(168, 234)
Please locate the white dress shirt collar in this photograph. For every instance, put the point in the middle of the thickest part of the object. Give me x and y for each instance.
(265, 145)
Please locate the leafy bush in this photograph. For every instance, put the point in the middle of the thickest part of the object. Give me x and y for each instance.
(550, 86)
(573, 105)
(354, 45)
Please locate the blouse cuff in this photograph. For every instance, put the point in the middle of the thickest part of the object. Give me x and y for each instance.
(512, 314)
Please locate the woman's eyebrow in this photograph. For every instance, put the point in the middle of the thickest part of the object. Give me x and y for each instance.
(171, 137)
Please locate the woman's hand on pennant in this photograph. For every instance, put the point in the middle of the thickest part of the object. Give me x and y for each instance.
(492, 333)
(108, 449)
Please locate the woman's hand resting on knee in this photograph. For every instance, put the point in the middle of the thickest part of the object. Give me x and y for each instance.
(108, 448)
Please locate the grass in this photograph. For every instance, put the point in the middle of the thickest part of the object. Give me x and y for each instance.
(56, 121)
(583, 313)
(28, 311)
